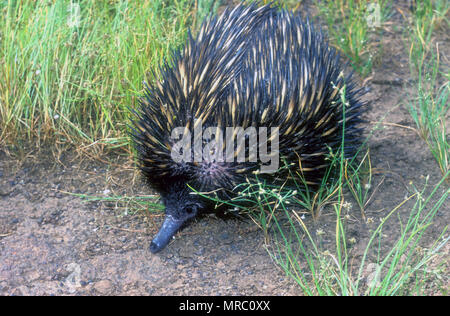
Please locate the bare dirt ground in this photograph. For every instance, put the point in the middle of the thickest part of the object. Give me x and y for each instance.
(55, 243)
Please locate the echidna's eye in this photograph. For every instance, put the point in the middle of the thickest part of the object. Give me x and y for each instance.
(190, 209)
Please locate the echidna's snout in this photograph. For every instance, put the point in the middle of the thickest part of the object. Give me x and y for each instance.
(176, 217)
(168, 229)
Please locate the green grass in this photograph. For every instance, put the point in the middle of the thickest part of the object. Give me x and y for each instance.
(429, 110)
(359, 181)
(128, 205)
(353, 27)
(427, 16)
(400, 270)
(71, 70)
(430, 107)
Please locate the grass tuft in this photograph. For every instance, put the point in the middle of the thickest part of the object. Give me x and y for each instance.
(353, 27)
(430, 107)
(72, 69)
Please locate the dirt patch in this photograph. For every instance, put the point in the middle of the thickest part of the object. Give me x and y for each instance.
(54, 243)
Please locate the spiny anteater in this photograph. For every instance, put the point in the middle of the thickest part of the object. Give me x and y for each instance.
(252, 67)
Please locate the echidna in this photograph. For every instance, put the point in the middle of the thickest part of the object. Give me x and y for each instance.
(252, 67)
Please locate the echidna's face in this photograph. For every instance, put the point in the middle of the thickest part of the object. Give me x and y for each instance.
(181, 206)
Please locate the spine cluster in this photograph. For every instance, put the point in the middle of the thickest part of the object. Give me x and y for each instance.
(249, 67)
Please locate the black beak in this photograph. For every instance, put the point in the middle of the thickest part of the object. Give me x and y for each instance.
(168, 229)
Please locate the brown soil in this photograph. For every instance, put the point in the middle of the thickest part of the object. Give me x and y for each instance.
(55, 243)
